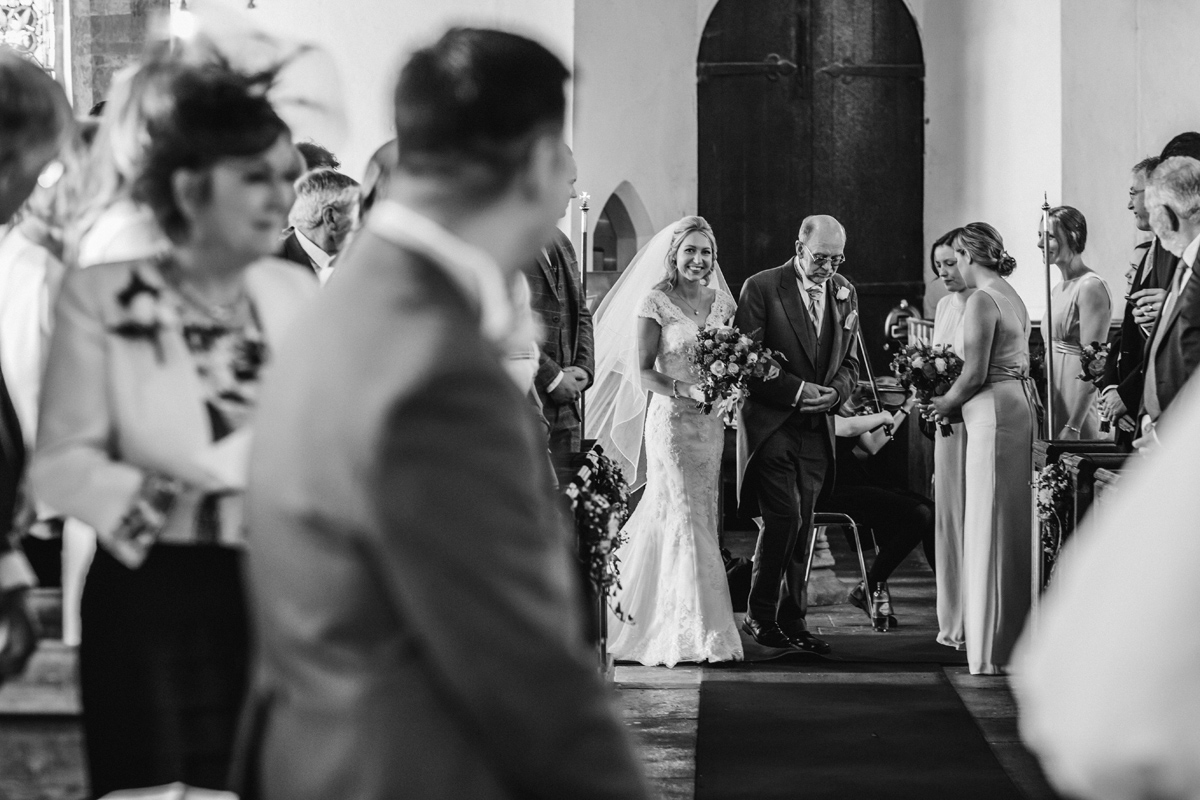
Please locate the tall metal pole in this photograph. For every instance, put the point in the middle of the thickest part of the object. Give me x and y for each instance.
(1048, 326)
(584, 199)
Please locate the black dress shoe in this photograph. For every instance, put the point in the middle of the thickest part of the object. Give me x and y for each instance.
(803, 640)
(768, 634)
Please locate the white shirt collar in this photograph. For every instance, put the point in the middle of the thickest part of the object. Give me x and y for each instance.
(1189, 255)
(473, 269)
(318, 256)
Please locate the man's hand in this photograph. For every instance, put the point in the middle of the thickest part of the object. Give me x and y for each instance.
(1147, 304)
(815, 398)
(18, 633)
(567, 390)
(1111, 404)
(578, 374)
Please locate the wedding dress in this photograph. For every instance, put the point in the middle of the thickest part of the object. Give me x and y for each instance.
(673, 591)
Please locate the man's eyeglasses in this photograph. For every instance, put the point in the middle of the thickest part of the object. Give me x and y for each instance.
(822, 260)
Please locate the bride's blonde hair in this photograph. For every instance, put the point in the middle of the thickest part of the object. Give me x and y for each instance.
(682, 228)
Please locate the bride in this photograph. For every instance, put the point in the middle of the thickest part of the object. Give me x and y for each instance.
(673, 591)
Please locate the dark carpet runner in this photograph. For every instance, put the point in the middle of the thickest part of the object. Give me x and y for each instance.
(819, 730)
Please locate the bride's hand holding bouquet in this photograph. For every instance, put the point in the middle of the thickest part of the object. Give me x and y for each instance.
(727, 359)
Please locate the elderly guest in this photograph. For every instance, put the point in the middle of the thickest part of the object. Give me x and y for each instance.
(147, 404)
(322, 217)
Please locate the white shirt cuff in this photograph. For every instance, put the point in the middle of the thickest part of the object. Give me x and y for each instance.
(554, 383)
(800, 391)
(15, 572)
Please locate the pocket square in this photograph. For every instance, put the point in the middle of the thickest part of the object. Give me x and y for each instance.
(851, 318)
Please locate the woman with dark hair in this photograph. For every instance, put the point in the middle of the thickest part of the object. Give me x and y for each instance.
(949, 452)
(673, 584)
(147, 404)
(997, 402)
(1081, 306)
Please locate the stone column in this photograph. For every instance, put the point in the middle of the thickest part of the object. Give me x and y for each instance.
(106, 35)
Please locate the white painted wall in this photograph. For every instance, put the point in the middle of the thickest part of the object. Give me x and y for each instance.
(369, 39)
(993, 142)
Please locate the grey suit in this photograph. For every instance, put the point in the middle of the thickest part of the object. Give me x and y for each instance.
(416, 607)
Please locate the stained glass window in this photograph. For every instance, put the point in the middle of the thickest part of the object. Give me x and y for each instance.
(27, 26)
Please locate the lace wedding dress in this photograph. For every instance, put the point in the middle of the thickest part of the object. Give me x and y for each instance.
(673, 585)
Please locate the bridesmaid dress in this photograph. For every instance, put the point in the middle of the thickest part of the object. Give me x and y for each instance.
(1000, 420)
(949, 487)
(1071, 394)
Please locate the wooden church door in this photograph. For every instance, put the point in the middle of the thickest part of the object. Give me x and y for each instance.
(816, 106)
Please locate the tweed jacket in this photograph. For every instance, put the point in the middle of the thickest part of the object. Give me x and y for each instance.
(558, 314)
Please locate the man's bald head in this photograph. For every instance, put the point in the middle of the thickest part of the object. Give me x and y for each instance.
(821, 225)
(819, 246)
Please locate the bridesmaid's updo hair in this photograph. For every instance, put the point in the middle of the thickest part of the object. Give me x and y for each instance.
(985, 246)
(678, 234)
(198, 115)
(1072, 225)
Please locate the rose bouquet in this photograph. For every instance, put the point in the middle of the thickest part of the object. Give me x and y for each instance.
(727, 359)
(1093, 358)
(930, 369)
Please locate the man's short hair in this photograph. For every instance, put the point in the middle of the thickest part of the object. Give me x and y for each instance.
(1176, 181)
(1146, 166)
(319, 189)
(315, 156)
(470, 107)
(34, 111)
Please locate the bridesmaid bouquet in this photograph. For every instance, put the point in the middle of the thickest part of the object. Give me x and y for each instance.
(1093, 358)
(727, 359)
(930, 369)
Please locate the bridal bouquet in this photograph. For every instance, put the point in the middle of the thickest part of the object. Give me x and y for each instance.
(727, 359)
(1093, 358)
(930, 369)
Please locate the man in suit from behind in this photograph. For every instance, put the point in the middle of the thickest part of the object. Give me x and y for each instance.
(416, 604)
(785, 441)
(567, 360)
(1152, 271)
(322, 217)
(36, 117)
(1173, 350)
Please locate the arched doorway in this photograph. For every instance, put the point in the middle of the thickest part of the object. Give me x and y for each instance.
(620, 230)
(816, 106)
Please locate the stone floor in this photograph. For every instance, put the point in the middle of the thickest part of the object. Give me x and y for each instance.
(661, 706)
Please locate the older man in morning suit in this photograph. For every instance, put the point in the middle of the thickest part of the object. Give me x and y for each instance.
(808, 313)
(1172, 352)
(417, 609)
(567, 360)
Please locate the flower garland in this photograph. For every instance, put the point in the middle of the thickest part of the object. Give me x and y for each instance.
(1052, 489)
(599, 501)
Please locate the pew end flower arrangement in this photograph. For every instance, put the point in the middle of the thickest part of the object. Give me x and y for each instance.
(1051, 488)
(1093, 358)
(726, 359)
(931, 369)
(598, 496)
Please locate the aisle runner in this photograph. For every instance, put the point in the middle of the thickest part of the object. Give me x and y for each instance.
(864, 730)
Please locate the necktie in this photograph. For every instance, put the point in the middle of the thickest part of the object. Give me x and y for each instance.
(814, 297)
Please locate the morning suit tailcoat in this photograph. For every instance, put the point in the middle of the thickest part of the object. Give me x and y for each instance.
(1178, 354)
(417, 610)
(293, 251)
(1124, 368)
(567, 337)
(772, 310)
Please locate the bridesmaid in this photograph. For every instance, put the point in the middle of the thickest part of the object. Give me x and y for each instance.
(996, 399)
(1082, 308)
(949, 454)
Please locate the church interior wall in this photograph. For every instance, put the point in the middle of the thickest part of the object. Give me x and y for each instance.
(370, 40)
